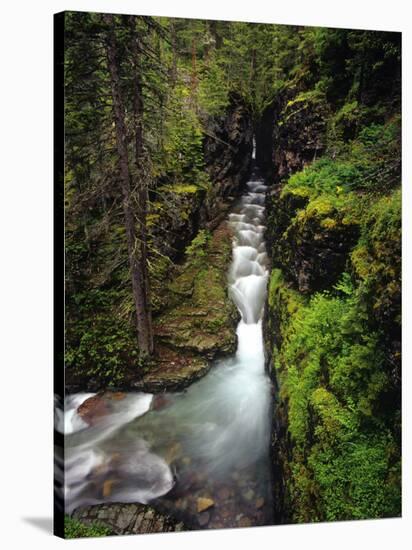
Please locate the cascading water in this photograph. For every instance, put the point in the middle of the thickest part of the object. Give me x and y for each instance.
(208, 442)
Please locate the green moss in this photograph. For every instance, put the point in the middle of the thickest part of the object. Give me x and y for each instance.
(376, 260)
(74, 529)
(199, 315)
(281, 297)
(319, 207)
(330, 372)
(361, 261)
(152, 219)
(298, 191)
(329, 223)
(275, 281)
(309, 99)
(180, 189)
(198, 246)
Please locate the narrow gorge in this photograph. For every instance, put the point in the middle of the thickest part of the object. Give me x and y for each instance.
(265, 194)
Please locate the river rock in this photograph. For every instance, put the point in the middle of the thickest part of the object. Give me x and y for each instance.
(93, 409)
(98, 406)
(204, 503)
(204, 519)
(173, 452)
(114, 396)
(224, 493)
(226, 513)
(108, 487)
(260, 502)
(181, 504)
(160, 402)
(248, 495)
(245, 522)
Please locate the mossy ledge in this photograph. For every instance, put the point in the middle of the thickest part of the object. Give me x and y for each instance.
(197, 323)
(194, 325)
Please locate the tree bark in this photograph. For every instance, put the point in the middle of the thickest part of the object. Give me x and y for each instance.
(145, 339)
(173, 69)
(141, 178)
(194, 75)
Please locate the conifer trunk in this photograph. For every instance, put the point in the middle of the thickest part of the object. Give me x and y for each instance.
(141, 179)
(145, 339)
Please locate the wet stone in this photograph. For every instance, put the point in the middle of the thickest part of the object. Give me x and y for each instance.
(245, 522)
(204, 519)
(225, 513)
(204, 503)
(224, 493)
(249, 495)
(125, 519)
(260, 502)
(160, 401)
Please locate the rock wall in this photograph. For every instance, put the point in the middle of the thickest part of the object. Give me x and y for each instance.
(227, 151)
(198, 320)
(334, 285)
(290, 134)
(309, 242)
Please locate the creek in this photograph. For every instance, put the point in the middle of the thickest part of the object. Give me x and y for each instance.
(202, 454)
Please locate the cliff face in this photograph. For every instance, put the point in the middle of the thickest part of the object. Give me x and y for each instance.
(291, 133)
(332, 323)
(228, 148)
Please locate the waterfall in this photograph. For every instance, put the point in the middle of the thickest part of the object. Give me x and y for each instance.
(214, 434)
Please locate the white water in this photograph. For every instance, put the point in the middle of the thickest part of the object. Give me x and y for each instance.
(219, 426)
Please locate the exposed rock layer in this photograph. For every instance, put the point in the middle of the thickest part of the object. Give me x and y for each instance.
(128, 519)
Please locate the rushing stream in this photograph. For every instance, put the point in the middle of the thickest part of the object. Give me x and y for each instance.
(204, 448)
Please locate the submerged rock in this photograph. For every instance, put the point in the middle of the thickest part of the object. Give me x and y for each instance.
(260, 502)
(160, 402)
(204, 519)
(249, 494)
(245, 522)
(204, 503)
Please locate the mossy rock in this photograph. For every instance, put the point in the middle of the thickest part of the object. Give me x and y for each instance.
(199, 318)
